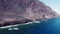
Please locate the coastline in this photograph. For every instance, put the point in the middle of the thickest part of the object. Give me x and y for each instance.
(36, 22)
(25, 23)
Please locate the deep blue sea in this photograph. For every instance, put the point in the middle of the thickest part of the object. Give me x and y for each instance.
(52, 26)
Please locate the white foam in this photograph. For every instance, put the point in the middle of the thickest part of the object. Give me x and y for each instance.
(36, 21)
(15, 28)
(19, 24)
(8, 26)
(15, 25)
(10, 29)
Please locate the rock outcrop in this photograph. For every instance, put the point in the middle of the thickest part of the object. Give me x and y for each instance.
(16, 10)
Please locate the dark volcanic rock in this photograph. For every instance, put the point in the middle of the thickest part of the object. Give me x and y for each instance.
(12, 11)
(16, 22)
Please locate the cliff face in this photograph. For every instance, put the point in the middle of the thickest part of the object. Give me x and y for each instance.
(12, 10)
(34, 9)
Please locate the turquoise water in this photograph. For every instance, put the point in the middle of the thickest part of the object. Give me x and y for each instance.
(52, 26)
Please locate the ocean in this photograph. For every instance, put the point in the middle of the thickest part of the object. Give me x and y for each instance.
(51, 26)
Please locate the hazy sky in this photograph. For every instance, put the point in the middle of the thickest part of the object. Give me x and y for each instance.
(54, 4)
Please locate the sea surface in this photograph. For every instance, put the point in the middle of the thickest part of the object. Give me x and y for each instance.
(51, 26)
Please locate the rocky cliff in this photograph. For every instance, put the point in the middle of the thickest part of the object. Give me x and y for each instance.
(17, 10)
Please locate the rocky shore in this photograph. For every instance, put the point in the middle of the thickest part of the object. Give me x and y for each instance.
(15, 22)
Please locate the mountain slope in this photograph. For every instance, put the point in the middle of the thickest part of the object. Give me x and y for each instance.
(13, 10)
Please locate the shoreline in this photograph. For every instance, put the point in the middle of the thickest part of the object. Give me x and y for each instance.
(19, 24)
